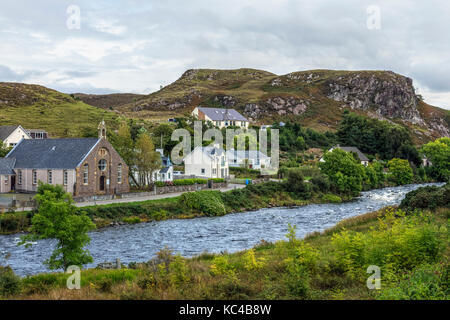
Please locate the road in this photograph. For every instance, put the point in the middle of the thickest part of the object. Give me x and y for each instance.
(139, 199)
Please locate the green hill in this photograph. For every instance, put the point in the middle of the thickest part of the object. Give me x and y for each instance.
(37, 107)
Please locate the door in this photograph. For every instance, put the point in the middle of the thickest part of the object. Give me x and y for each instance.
(13, 182)
(102, 183)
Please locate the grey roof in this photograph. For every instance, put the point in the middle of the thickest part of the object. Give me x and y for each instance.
(245, 154)
(361, 155)
(52, 153)
(218, 114)
(35, 131)
(164, 170)
(7, 166)
(209, 151)
(5, 131)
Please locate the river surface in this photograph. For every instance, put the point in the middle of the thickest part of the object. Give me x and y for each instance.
(233, 232)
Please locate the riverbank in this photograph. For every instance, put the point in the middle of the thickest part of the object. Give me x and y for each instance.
(412, 251)
(250, 198)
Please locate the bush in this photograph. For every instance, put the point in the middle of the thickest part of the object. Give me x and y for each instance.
(329, 197)
(295, 184)
(208, 202)
(10, 284)
(427, 198)
(14, 222)
(320, 183)
(132, 220)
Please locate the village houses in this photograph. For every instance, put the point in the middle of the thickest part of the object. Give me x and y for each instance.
(207, 162)
(83, 166)
(251, 159)
(221, 118)
(362, 158)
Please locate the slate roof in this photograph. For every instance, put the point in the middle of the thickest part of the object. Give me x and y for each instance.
(209, 151)
(51, 153)
(5, 131)
(7, 166)
(164, 170)
(218, 114)
(361, 155)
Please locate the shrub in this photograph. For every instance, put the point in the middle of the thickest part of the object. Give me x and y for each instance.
(320, 183)
(427, 198)
(329, 197)
(10, 284)
(208, 202)
(132, 220)
(295, 184)
(13, 222)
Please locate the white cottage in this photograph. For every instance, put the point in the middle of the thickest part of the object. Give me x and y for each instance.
(207, 162)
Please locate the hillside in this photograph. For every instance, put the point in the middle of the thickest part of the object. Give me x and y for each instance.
(315, 98)
(37, 107)
(108, 101)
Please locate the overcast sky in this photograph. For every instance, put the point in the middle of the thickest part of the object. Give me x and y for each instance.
(137, 45)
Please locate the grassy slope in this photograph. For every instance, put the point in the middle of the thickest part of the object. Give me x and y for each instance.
(239, 276)
(37, 107)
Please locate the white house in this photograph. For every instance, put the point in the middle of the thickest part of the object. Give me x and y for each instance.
(221, 118)
(364, 160)
(207, 162)
(165, 174)
(251, 158)
(12, 135)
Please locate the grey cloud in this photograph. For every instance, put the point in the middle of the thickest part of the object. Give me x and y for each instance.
(149, 43)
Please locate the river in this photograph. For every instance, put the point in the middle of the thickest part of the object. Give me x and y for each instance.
(233, 232)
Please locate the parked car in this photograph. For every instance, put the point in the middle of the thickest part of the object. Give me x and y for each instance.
(177, 173)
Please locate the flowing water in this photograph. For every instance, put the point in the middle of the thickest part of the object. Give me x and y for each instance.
(233, 232)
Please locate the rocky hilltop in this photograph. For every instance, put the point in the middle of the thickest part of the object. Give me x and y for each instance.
(315, 98)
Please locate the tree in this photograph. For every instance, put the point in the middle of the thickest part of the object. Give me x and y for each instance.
(297, 185)
(147, 159)
(4, 150)
(438, 152)
(124, 145)
(345, 173)
(400, 171)
(59, 219)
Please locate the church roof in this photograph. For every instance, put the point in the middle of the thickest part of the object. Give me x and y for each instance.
(7, 165)
(52, 153)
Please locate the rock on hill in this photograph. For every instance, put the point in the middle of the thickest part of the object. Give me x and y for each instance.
(315, 98)
(37, 107)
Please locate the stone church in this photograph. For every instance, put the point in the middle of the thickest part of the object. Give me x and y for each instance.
(83, 166)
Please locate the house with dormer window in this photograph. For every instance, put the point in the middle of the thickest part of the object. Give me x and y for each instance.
(221, 118)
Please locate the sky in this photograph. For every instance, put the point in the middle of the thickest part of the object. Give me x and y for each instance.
(107, 46)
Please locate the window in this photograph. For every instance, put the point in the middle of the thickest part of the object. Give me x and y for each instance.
(203, 171)
(119, 173)
(65, 177)
(19, 177)
(86, 174)
(102, 165)
(223, 160)
(103, 152)
(34, 177)
(50, 176)
(6, 179)
(168, 175)
(39, 135)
